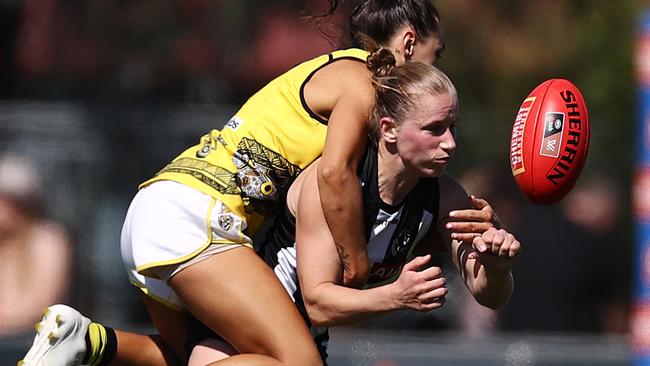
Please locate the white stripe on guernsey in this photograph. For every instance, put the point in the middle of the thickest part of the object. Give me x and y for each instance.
(382, 232)
(425, 224)
(285, 270)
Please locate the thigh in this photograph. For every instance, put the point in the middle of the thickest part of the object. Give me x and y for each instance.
(173, 327)
(209, 351)
(238, 296)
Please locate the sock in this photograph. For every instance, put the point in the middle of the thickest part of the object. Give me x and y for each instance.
(101, 345)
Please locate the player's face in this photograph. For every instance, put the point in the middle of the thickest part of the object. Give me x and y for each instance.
(426, 138)
(428, 50)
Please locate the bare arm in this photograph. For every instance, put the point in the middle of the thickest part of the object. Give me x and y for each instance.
(484, 263)
(320, 270)
(340, 195)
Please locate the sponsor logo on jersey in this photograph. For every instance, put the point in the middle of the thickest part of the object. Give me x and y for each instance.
(381, 272)
(234, 123)
(401, 243)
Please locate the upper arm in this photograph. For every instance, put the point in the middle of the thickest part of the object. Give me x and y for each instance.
(348, 125)
(318, 261)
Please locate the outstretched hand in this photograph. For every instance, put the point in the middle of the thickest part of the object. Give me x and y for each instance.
(418, 288)
(470, 223)
(497, 249)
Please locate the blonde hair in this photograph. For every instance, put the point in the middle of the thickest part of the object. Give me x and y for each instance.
(398, 89)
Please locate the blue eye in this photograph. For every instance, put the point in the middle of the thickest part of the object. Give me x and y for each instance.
(453, 129)
(439, 130)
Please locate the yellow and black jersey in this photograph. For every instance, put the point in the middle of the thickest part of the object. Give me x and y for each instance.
(250, 163)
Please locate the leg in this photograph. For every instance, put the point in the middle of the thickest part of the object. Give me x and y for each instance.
(210, 350)
(152, 350)
(62, 338)
(168, 347)
(238, 296)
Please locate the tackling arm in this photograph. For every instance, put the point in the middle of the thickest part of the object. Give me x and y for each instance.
(340, 194)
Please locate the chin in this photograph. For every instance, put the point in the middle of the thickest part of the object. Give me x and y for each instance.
(433, 172)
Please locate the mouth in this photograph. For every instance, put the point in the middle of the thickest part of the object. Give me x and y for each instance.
(442, 161)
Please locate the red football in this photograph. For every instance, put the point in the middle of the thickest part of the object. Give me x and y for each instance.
(550, 140)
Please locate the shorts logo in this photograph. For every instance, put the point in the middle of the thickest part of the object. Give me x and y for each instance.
(225, 222)
(553, 127)
(234, 123)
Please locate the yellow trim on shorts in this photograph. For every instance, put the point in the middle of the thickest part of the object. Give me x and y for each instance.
(208, 223)
(159, 299)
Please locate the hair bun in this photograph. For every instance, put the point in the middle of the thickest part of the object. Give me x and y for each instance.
(381, 62)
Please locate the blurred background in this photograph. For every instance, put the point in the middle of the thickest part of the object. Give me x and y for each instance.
(97, 96)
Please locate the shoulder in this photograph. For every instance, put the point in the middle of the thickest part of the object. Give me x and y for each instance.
(350, 76)
(452, 195)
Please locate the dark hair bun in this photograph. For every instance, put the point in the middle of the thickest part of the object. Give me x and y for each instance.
(381, 62)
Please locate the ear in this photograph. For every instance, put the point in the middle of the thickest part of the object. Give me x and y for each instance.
(388, 129)
(408, 42)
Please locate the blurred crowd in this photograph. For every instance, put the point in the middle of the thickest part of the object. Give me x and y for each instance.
(35, 252)
(197, 51)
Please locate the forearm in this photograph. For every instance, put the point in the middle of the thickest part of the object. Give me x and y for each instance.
(341, 200)
(491, 288)
(331, 305)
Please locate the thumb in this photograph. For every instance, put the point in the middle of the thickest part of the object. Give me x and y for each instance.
(477, 203)
(479, 244)
(417, 262)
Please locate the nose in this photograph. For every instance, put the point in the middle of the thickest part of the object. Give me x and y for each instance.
(448, 142)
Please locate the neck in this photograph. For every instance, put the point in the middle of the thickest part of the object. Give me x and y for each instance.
(395, 180)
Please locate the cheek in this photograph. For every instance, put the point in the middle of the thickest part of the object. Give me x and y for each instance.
(420, 146)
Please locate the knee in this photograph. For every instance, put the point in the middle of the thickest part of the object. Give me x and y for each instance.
(302, 357)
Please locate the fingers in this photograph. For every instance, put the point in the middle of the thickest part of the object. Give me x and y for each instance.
(470, 215)
(416, 263)
(431, 295)
(477, 203)
(421, 290)
(498, 242)
(481, 218)
(432, 290)
(431, 273)
(467, 230)
(433, 304)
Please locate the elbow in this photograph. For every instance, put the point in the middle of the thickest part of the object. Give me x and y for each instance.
(318, 316)
(334, 174)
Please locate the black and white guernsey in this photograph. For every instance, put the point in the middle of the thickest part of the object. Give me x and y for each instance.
(391, 232)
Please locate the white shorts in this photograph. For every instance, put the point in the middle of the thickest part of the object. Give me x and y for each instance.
(170, 226)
